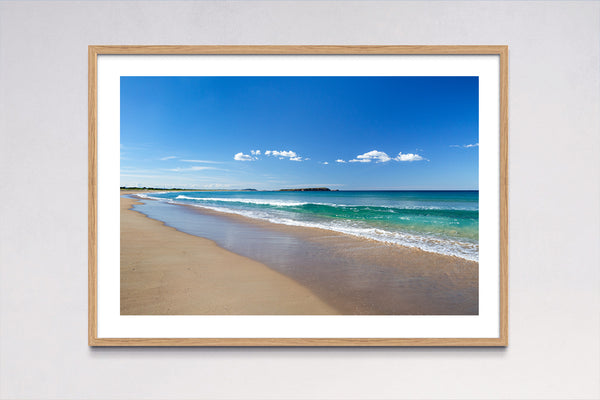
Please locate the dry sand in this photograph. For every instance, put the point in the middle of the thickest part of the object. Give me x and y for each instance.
(168, 272)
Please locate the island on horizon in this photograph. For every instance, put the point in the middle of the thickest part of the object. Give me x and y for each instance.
(320, 189)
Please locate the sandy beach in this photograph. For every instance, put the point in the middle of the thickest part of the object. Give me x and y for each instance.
(167, 272)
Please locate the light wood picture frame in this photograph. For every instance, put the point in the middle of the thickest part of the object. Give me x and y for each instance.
(109, 326)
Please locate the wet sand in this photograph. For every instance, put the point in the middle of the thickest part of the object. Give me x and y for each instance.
(351, 275)
(167, 272)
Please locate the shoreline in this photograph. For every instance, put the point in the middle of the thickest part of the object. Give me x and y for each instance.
(354, 275)
(168, 272)
(307, 229)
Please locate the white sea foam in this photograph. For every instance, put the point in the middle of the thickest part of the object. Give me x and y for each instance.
(432, 244)
(289, 203)
(466, 250)
(145, 196)
(278, 203)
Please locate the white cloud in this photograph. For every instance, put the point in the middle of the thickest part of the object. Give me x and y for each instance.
(243, 157)
(168, 158)
(382, 157)
(203, 161)
(255, 152)
(408, 157)
(373, 155)
(282, 155)
(466, 146)
(363, 160)
(277, 153)
(325, 163)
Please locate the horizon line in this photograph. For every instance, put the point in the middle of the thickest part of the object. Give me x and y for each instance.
(283, 189)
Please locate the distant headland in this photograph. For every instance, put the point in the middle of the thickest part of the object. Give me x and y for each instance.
(320, 189)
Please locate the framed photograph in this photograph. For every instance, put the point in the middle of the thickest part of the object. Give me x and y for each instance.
(298, 196)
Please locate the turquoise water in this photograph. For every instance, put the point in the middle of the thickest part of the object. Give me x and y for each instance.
(444, 222)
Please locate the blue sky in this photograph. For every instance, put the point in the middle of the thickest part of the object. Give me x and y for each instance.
(347, 133)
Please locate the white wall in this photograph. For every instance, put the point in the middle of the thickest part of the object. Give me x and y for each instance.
(554, 94)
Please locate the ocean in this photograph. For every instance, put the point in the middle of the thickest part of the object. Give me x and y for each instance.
(442, 222)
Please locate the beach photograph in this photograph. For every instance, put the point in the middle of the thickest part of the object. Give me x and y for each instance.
(299, 195)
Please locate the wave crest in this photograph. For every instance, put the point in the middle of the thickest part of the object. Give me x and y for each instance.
(346, 225)
(466, 250)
